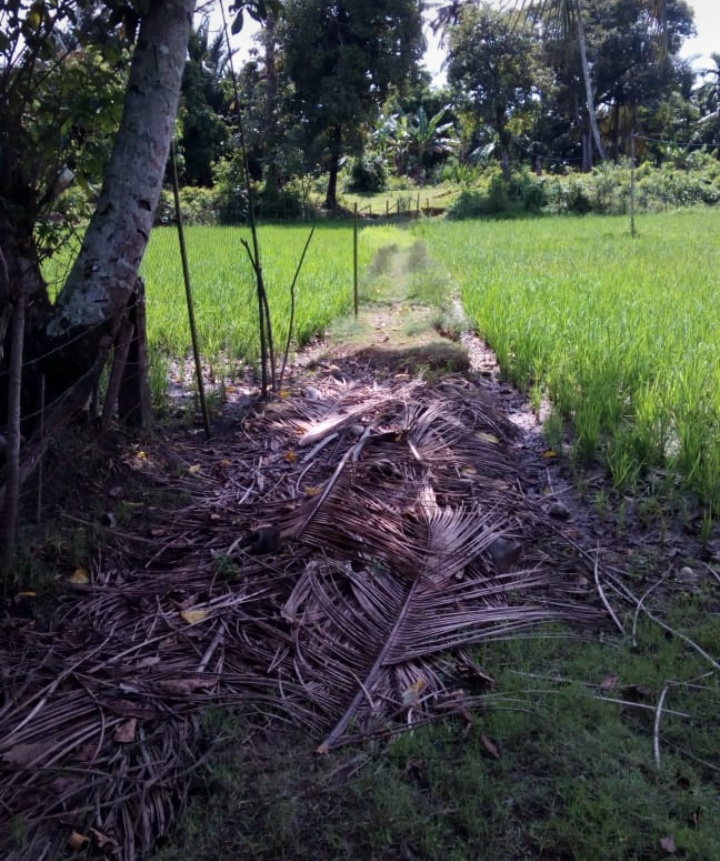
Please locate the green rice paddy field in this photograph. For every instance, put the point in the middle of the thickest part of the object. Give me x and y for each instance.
(224, 289)
(622, 333)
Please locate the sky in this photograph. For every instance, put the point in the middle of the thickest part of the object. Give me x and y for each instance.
(707, 23)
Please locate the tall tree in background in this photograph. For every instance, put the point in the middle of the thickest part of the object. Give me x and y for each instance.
(708, 101)
(493, 71)
(567, 18)
(343, 57)
(634, 72)
(203, 105)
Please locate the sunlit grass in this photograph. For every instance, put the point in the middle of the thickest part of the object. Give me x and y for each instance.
(224, 286)
(622, 333)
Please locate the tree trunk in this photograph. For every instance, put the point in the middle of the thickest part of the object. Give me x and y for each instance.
(589, 95)
(272, 177)
(587, 150)
(81, 327)
(504, 141)
(335, 151)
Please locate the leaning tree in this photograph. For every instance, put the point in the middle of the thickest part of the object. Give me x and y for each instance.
(66, 340)
(53, 348)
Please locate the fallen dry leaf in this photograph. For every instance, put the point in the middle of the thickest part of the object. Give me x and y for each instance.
(101, 840)
(80, 577)
(188, 685)
(67, 783)
(23, 755)
(411, 695)
(77, 841)
(125, 733)
(490, 746)
(668, 844)
(194, 616)
(86, 752)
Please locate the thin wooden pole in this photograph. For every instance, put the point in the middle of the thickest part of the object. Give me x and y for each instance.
(189, 297)
(12, 478)
(38, 510)
(356, 282)
(632, 183)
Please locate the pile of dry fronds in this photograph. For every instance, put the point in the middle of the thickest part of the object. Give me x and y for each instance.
(339, 555)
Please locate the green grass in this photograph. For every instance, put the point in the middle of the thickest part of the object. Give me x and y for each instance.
(623, 333)
(552, 768)
(224, 287)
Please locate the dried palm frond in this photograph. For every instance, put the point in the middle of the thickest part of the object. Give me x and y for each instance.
(389, 502)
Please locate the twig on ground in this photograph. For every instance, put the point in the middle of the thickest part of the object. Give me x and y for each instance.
(601, 593)
(640, 607)
(656, 730)
(712, 571)
(683, 637)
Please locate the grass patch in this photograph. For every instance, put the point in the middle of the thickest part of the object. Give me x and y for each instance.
(551, 769)
(401, 201)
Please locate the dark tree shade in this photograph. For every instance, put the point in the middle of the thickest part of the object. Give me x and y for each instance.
(343, 58)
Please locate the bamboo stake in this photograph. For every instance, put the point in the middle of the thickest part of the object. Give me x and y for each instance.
(267, 348)
(12, 498)
(632, 184)
(355, 261)
(189, 297)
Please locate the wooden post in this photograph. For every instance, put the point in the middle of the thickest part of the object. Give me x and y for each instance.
(134, 403)
(355, 262)
(632, 183)
(189, 295)
(38, 509)
(12, 475)
(123, 340)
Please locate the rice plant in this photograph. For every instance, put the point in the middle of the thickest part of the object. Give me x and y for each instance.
(622, 333)
(224, 289)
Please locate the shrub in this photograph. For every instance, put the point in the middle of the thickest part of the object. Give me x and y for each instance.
(197, 206)
(469, 204)
(367, 173)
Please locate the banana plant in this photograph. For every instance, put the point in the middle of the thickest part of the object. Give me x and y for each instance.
(412, 139)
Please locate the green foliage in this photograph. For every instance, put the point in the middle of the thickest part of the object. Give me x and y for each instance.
(286, 204)
(203, 106)
(230, 189)
(62, 99)
(493, 195)
(494, 73)
(343, 58)
(416, 143)
(197, 206)
(367, 173)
